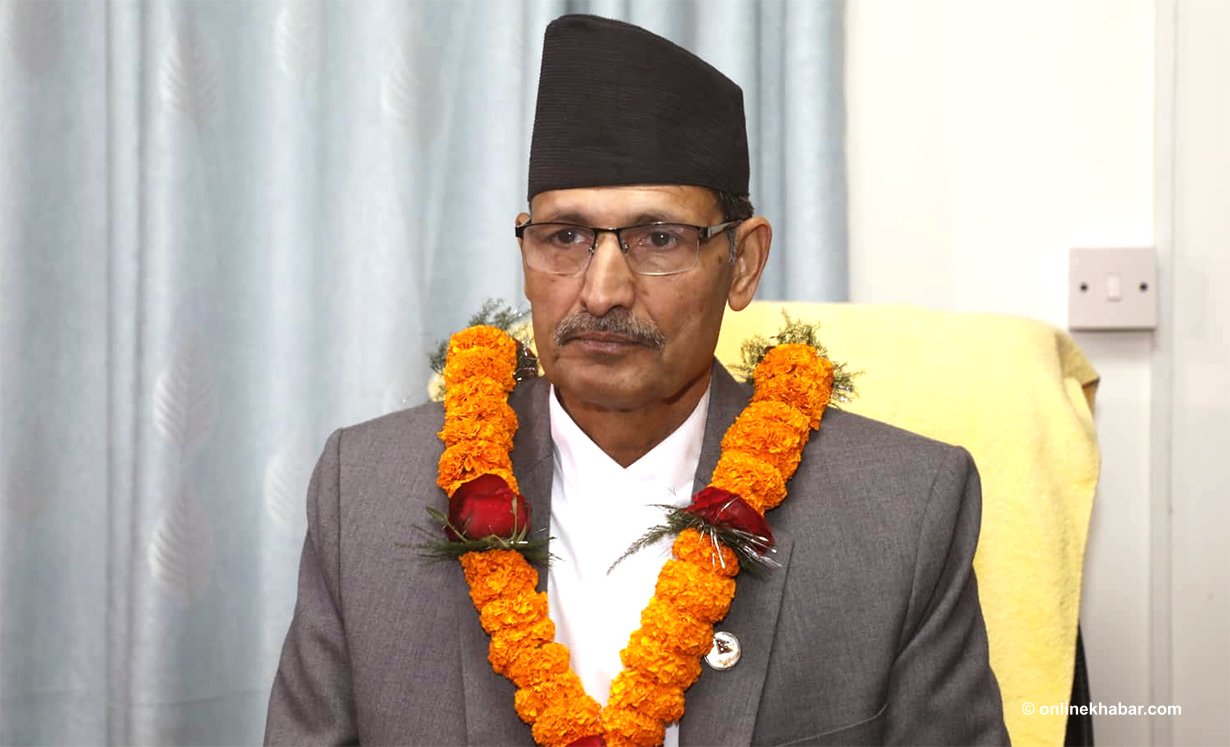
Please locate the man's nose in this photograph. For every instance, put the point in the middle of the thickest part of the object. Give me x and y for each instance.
(609, 281)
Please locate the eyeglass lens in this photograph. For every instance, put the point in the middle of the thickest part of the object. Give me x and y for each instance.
(659, 249)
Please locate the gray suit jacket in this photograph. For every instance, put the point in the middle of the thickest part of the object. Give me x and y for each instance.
(871, 632)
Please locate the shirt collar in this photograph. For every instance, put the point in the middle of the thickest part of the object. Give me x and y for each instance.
(673, 461)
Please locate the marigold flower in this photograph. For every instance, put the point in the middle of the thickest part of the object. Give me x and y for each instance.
(664, 625)
(518, 611)
(483, 336)
(695, 591)
(457, 430)
(531, 701)
(465, 364)
(667, 667)
(467, 460)
(790, 360)
(539, 664)
(707, 552)
(798, 376)
(565, 722)
(636, 728)
(476, 398)
(506, 645)
(497, 573)
(772, 431)
(638, 691)
(755, 480)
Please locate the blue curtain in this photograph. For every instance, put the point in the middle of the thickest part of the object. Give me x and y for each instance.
(228, 228)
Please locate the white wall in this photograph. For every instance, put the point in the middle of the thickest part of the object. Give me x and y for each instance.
(1198, 378)
(985, 140)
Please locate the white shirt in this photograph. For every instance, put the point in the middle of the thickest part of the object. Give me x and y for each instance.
(598, 509)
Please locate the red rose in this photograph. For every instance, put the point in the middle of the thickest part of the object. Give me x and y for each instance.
(587, 742)
(726, 510)
(485, 506)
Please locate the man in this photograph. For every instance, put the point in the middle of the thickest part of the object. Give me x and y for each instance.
(637, 238)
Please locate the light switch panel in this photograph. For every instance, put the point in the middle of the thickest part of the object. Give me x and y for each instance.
(1112, 289)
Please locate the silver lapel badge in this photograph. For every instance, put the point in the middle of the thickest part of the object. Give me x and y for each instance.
(725, 652)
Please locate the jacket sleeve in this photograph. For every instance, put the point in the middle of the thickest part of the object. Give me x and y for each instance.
(312, 701)
(942, 689)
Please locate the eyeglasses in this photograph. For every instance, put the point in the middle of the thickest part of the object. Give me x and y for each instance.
(650, 249)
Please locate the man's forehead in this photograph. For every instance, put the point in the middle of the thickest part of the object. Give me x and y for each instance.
(667, 201)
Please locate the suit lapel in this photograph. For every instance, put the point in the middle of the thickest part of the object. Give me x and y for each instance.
(727, 398)
(722, 705)
(489, 712)
(532, 459)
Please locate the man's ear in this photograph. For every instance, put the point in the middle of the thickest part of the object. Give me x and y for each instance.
(521, 218)
(752, 240)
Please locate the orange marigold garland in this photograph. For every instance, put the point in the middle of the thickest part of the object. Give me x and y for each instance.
(722, 530)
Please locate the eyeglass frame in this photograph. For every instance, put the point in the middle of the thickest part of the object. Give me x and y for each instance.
(703, 234)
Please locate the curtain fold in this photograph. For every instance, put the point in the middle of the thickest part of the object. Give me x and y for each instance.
(228, 228)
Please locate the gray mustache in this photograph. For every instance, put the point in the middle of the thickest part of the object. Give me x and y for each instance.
(620, 323)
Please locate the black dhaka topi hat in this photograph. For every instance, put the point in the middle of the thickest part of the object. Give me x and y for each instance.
(619, 105)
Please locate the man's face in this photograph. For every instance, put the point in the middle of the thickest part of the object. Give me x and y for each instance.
(664, 348)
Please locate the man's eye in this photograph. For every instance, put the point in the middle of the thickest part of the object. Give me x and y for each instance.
(663, 240)
(566, 237)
